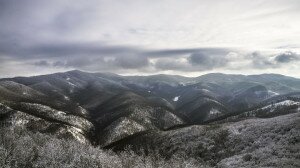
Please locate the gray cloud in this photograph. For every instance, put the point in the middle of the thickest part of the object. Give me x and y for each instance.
(42, 63)
(287, 57)
(180, 52)
(81, 62)
(98, 56)
(260, 61)
(85, 35)
(207, 61)
(58, 64)
(172, 64)
(131, 61)
(201, 59)
(273, 61)
(101, 63)
(65, 50)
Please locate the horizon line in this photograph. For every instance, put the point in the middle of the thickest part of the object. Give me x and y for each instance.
(155, 74)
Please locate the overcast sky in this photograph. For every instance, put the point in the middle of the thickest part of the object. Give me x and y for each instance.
(185, 37)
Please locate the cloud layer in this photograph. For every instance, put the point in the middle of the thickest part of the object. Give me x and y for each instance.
(146, 37)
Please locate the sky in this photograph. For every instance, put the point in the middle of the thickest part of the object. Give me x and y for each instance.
(142, 37)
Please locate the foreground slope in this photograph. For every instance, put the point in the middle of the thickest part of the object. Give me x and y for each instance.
(271, 142)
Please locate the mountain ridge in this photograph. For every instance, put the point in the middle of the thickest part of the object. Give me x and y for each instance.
(110, 73)
(134, 104)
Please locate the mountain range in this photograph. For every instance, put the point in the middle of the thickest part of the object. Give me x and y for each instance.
(152, 112)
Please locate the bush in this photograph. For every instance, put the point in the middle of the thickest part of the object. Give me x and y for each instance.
(247, 157)
(27, 149)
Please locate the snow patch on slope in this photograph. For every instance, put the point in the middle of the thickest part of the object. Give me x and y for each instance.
(72, 84)
(205, 90)
(175, 99)
(272, 93)
(214, 111)
(272, 107)
(66, 97)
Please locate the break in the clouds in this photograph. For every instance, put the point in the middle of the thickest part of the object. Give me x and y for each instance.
(146, 37)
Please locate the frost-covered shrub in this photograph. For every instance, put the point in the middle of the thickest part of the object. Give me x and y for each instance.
(26, 150)
(270, 142)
